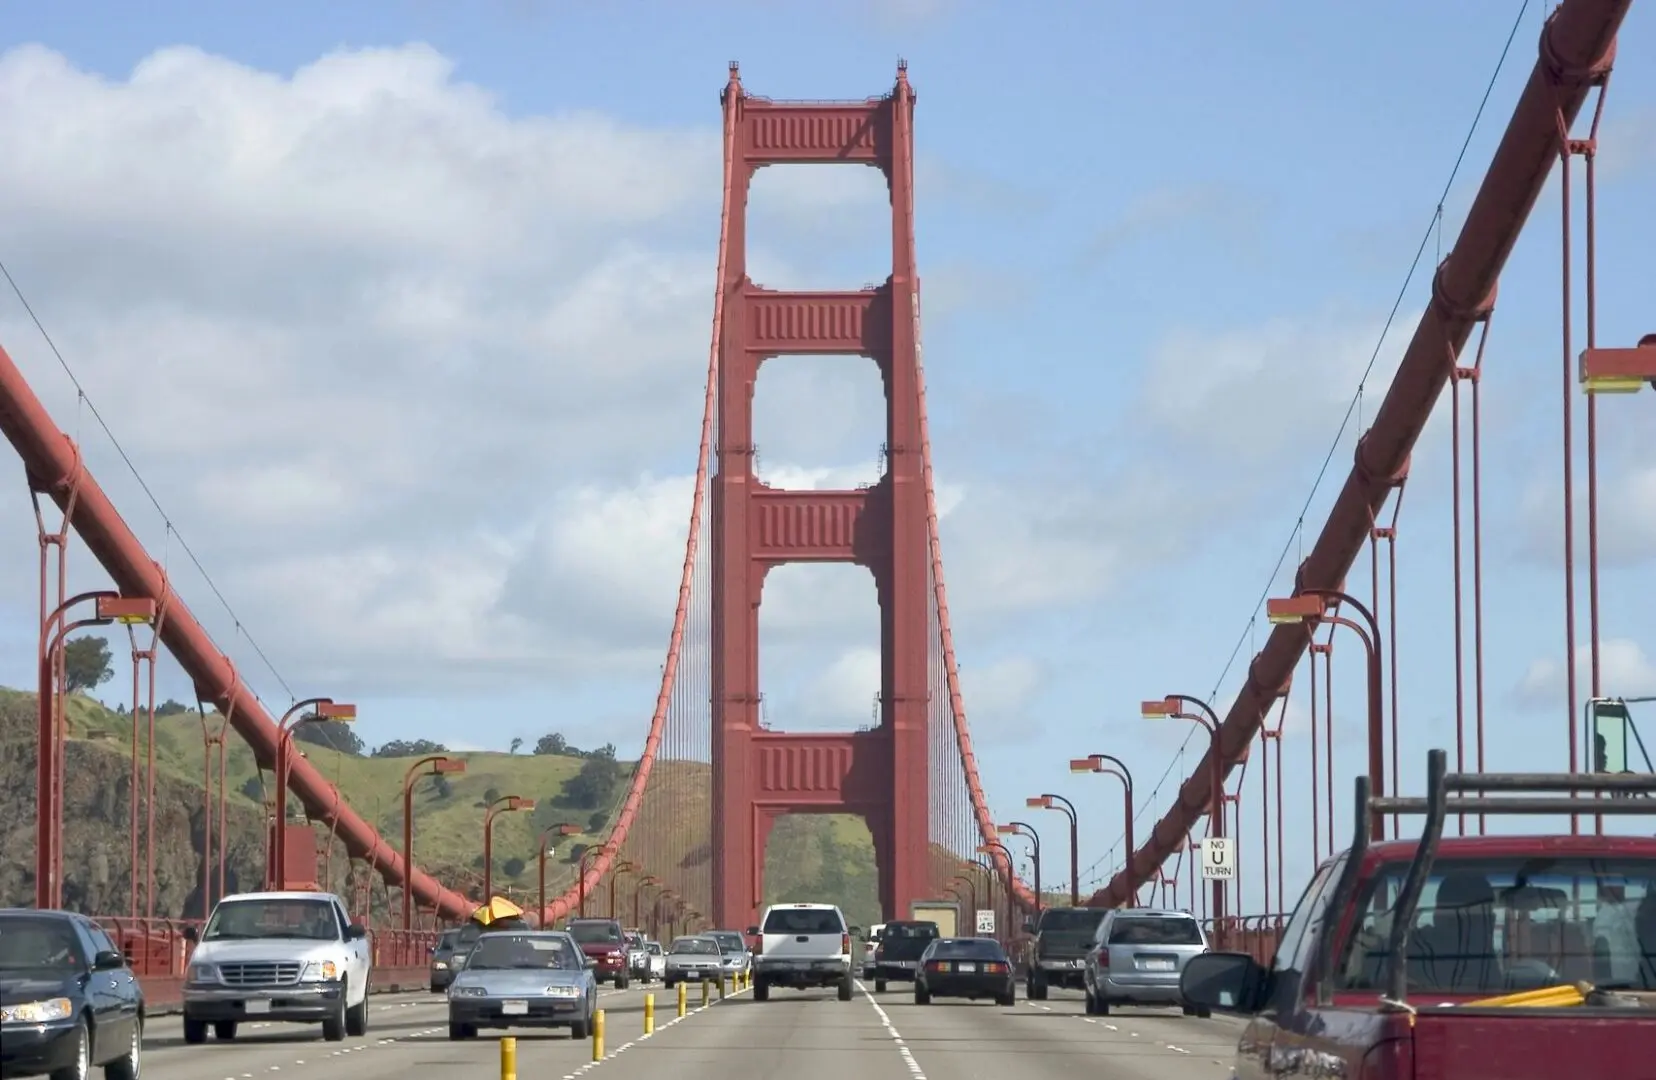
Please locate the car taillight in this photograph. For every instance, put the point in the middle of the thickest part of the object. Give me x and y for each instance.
(845, 943)
(1103, 957)
(937, 965)
(995, 967)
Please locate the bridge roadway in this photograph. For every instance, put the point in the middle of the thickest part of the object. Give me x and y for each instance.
(794, 1036)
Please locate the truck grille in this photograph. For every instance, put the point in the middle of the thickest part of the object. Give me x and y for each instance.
(260, 974)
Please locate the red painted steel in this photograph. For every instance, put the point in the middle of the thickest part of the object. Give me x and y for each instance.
(883, 776)
(1577, 50)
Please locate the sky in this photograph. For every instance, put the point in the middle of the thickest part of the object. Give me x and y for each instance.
(401, 314)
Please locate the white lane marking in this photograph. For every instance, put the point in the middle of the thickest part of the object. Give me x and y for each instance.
(1177, 1049)
(896, 1036)
(624, 1047)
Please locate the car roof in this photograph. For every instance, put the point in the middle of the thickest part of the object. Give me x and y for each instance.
(795, 907)
(277, 895)
(44, 913)
(1152, 913)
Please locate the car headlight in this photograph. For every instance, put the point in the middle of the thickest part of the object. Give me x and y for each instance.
(325, 971)
(203, 973)
(565, 992)
(467, 991)
(37, 1012)
(440, 965)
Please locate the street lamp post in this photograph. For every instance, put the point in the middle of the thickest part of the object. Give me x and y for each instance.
(563, 828)
(1168, 707)
(971, 891)
(440, 765)
(625, 866)
(592, 853)
(1114, 766)
(638, 895)
(109, 607)
(990, 847)
(1310, 606)
(1067, 808)
(506, 804)
(1024, 829)
(323, 710)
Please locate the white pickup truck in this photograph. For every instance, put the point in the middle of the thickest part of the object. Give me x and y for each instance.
(802, 946)
(286, 956)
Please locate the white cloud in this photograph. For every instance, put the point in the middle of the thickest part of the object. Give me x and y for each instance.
(1626, 670)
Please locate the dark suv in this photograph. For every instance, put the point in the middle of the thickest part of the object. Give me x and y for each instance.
(898, 955)
(1063, 937)
(446, 958)
(605, 944)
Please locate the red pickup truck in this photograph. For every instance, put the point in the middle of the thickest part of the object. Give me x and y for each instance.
(1524, 957)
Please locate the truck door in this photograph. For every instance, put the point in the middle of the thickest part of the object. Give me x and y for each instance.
(1271, 1046)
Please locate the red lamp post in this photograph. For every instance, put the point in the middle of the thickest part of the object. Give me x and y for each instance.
(439, 765)
(323, 709)
(1067, 808)
(625, 866)
(1024, 829)
(564, 828)
(504, 805)
(1114, 766)
(995, 847)
(638, 894)
(1169, 708)
(590, 854)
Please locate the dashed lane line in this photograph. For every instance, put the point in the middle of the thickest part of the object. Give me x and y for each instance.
(896, 1036)
(1109, 1027)
(624, 1047)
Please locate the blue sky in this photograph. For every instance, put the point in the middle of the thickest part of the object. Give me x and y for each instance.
(409, 348)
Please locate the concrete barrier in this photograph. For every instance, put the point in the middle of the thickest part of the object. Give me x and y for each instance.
(164, 994)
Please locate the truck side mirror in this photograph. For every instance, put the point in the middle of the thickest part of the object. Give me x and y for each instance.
(356, 932)
(1227, 981)
(189, 933)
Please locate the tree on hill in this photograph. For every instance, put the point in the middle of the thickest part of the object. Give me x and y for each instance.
(440, 784)
(517, 744)
(409, 748)
(552, 742)
(513, 866)
(333, 734)
(253, 788)
(86, 663)
(172, 708)
(594, 786)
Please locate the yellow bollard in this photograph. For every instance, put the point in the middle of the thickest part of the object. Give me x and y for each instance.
(649, 1014)
(682, 994)
(508, 1058)
(598, 1035)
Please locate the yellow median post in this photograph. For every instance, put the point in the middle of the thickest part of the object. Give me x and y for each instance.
(508, 1058)
(682, 994)
(649, 1013)
(598, 1035)
(704, 992)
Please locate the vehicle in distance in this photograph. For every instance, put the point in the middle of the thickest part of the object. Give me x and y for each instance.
(293, 957)
(970, 968)
(1063, 937)
(605, 944)
(802, 946)
(657, 958)
(446, 959)
(871, 945)
(1137, 956)
(734, 946)
(693, 958)
(898, 956)
(638, 958)
(524, 978)
(68, 1001)
(1474, 920)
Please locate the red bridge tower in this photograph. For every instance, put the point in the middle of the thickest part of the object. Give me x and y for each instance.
(883, 775)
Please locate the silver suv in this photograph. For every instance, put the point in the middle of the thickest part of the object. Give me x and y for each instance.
(1137, 956)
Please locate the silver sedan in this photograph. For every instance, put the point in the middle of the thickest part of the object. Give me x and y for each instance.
(523, 978)
(693, 959)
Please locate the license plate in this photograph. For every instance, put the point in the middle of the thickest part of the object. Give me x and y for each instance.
(968, 967)
(514, 1008)
(1158, 965)
(255, 1008)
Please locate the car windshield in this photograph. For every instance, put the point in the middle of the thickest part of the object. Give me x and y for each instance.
(528, 951)
(655, 948)
(1155, 930)
(1071, 920)
(448, 939)
(34, 944)
(1494, 926)
(910, 931)
(303, 918)
(804, 921)
(696, 946)
(730, 942)
(967, 949)
(595, 933)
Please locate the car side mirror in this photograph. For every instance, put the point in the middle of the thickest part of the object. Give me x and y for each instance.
(356, 932)
(108, 960)
(189, 933)
(753, 931)
(1228, 981)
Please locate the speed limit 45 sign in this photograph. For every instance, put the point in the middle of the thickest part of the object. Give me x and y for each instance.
(1218, 859)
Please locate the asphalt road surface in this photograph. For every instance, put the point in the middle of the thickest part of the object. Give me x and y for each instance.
(794, 1036)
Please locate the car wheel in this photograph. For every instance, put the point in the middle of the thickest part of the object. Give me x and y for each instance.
(620, 982)
(195, 1031)
(130, 1064)
(333, 1027)
(461, 1031)
(847, 988)
(83, 1056)
(581, 1029)
(879, 986)
(356, 1019)
(1007, 1000)
(922, 996)
(761, 990)
(224, 1030)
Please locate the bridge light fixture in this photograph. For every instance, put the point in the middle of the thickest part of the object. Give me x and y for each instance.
(1619, 371)
(343, 712)
(1159, 709)
(131, 611)
(1039, 802)
(1078, 765)
(448, 765)
(1290, 610)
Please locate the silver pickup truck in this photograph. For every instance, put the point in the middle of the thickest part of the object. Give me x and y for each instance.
(294, 957)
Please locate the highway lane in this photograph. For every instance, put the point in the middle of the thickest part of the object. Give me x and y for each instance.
(794, 1036)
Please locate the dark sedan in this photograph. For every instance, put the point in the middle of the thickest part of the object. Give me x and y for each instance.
(970, 968)
(68, 1001)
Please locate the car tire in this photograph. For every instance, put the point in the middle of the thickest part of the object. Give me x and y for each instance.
(922, 996)
(847, 988)
(129, 1065)
(1037, 988)
(461, 1031)
(82, 1068)
(356, 1018)
(581, 1029)
(195, 1031)
(1006, 1001)
(224, 1030)
(621, 982)
(333, 1027)
(879, 986)
(761, 990)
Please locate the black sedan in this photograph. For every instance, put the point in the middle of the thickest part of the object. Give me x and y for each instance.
(968, 968)
(68, 1001)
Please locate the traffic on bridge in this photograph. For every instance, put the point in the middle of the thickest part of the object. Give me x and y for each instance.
(1411, 888)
